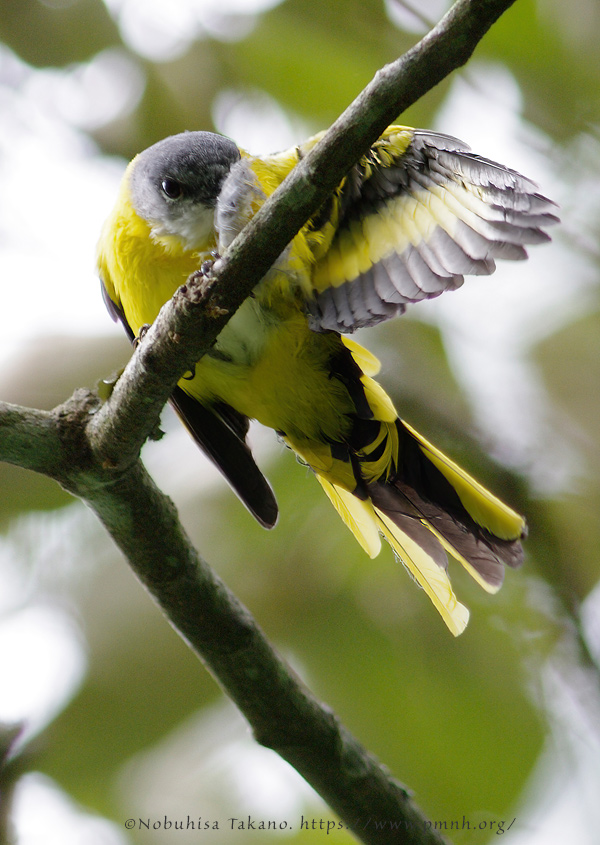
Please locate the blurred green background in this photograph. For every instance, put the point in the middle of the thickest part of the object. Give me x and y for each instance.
(120, 720)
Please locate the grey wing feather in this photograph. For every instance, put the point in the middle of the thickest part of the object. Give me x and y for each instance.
(455, 213)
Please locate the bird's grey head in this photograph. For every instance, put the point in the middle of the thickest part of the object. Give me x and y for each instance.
(174, 184)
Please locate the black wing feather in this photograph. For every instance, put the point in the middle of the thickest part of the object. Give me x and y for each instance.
(230, 454)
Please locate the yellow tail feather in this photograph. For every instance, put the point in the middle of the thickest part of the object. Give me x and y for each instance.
(369, 364)
(426, 572)
(367, 523)
(356, 513)
(485, 508)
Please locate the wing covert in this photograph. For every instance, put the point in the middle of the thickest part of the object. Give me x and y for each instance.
(418, 213)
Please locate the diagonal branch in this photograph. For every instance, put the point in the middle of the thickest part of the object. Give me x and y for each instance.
(93, 452)
(283, 713)
(190, 323)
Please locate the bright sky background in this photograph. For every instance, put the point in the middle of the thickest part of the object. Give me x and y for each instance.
(57, 190)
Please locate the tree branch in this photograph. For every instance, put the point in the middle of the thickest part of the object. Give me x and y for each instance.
(93, 452)
(283, 713)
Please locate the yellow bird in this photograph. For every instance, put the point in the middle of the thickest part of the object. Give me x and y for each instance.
(416, 213)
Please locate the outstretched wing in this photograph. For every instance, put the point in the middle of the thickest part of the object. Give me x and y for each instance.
(415, 215)
(221, 434)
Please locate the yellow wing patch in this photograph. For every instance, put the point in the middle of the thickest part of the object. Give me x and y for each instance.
(364, 244)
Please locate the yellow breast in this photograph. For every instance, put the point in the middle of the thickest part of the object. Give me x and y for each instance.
(267, 363)
(140, 273)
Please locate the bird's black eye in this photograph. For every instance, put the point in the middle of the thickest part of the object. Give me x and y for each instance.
(171, 188)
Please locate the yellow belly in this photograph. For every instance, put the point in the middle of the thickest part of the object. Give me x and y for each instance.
(277, 371)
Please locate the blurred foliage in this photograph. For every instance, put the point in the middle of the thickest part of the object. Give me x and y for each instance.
(463, 722)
